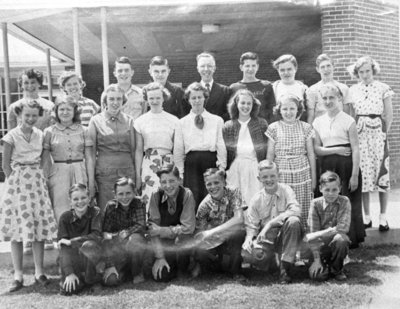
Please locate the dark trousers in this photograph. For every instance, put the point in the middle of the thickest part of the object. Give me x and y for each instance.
(225, 257)
(285, 241)
(196, 163)
(176, 255)
(333, 251)
(83, 267)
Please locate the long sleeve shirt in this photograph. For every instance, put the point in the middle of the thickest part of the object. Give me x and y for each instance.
(265, 207)
(190, 138)
(78, 230)
(324, 215)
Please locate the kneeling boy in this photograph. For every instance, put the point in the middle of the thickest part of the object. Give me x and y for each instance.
(79, 235)
(329, 222)
(219, 221)
(273, 224)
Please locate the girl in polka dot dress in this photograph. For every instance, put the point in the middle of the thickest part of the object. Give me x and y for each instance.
(25, 209)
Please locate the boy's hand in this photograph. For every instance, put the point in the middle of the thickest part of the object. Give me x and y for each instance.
(64, 241)
(109, 271)
(123, 234)
(202, 235)
(71, 282)
(316, 268)
(154, 229)
(107, 235)
(248, 245)
(158, 268)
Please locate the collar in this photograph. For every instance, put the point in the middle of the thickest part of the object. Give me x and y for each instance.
(112, 118)
(211, 83)
(73, 126)
(133, 88)
(242, 123)
(325, 204)
(277, 192)
(165, 197)
(204, 113)
(75, 216)
(223, 200)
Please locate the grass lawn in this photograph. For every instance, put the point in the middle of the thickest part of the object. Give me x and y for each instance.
(367, 271)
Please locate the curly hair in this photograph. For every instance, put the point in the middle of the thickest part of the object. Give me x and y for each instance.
(364, 60)
(283, 59)
(291, 98)
(214, 171)
(28, 103)
(112, 88)
(196, 86)
(233, 102)
(66, 99)
(31, 73)
(67, 75)
(156, 86)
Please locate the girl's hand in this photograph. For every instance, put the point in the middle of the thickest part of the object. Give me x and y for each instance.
(71, 283)
(64, 241)
(313, 184)
(158, 268)
(353, 184)
(344, 151)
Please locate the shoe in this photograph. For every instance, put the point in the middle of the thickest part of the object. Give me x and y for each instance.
(284, 277)
(138, 279)
(384, 228)
(340, 276)
(196, 271)
(16, 285)
(239, 278)
(368, 225)
(42, 280)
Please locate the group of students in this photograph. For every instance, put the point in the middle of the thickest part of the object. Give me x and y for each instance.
(145, 142)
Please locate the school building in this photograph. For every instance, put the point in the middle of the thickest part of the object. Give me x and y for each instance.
(92, 34)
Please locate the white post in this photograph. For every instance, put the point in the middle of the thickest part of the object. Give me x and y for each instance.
(6, 65)
(104, 47)
(75, 28)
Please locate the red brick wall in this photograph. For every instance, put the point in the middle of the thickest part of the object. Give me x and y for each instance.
(353, 28)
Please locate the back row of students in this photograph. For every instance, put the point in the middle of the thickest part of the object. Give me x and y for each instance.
(115, 143)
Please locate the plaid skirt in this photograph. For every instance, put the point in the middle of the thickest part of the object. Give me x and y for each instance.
(25, 208)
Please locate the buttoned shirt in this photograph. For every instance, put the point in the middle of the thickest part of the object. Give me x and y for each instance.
(135, 106)
(118, 218)
(188, 138)
(212, 212)
(324, 215)
(265, 207)
(66, 143)
(210, 84)
(187, 218)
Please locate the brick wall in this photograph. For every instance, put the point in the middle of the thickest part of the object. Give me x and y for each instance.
(353, 28)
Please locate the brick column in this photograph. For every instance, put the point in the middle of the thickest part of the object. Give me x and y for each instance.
(354, 28)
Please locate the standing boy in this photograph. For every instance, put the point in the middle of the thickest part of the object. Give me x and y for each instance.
(273, 224)
(329, 221)
(219, 94)
(159, 71)
(262, 89)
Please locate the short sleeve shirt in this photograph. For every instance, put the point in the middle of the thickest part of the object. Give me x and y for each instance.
(89, 108)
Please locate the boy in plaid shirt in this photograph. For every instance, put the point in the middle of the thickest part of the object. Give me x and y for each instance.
(329, 221)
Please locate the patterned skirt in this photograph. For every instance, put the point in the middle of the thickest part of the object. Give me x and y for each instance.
(153, 160)
(25, 208)
(295, 171)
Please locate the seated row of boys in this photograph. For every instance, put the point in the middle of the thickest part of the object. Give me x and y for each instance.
(109, 250)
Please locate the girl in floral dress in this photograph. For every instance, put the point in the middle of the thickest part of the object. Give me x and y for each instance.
(290, 146)
(25, 208)
(371, 102)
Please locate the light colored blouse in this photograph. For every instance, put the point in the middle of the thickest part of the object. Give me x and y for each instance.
(333, 131)
(157, 130)
(245, 146)
(190, 138)
(24, 151)
(66, 143)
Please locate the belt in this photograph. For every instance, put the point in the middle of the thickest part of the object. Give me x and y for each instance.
(69, 161)
(372, 116)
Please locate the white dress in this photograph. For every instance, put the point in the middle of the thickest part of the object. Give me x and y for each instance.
(244, 169)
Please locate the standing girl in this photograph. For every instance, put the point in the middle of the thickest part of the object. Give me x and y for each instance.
(245, 142)
(155, 138)
(67, 154)
(25, 208)
(290, 145)
(336, 144)
(371, 101)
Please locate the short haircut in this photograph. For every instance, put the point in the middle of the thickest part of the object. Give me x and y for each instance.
(123, 60)
(233, 104)
(67, 99)
(158, 60)
(156, 86)
(364, 60)
(331, 87)
(124, 181)
(196, 86)
(31, 73)
(205, 55)
(67, 75)
(214, 171)
(28, 103)
(112, 88)
(283, 59)
(328, 177)
(168, 169)
(249, 56)
(78, 187)
(291, 98)
(267, 165)
(323, 57)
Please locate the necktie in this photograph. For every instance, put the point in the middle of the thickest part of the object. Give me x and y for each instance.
(208, 87)
(199, 121)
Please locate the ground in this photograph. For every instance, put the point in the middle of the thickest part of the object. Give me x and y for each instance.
(374, 275)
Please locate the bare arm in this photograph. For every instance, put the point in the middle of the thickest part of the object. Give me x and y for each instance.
(271, 150)
(388, 112)
(310, 115)
(139, 160)
(311, 160)
(325, 151)
(89, 155)
(353, 136)
(6, 163)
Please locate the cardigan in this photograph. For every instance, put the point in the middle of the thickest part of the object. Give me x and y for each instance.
(257, 128)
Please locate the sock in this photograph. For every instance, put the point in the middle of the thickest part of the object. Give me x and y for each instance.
(367, 219)
(18, 275)
(382, 219)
